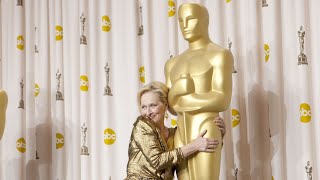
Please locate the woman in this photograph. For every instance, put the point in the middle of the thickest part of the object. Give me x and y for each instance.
(151, 150)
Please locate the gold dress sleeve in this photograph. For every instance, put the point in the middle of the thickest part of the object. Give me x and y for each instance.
(149, 155)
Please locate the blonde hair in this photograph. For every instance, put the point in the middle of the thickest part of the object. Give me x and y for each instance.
(155, 87)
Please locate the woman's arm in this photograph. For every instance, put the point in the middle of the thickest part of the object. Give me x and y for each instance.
(147, 140)
(200, 144)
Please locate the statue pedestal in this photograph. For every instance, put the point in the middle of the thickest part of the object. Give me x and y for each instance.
(302, 59)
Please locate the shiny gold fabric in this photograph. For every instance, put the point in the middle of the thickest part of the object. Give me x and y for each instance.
(150, 157)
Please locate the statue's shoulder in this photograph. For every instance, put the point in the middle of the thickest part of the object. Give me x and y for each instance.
(174, 58)
(219, 53)
(3, 99)
(216, 49)
(3, 94)
(172, 61)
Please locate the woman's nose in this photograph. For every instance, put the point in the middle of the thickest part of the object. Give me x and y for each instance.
(149, 111)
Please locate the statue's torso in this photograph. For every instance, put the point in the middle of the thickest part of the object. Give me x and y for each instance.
(199, 64)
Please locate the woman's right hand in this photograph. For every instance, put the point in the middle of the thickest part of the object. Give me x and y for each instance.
(200, 144)
(205, 144)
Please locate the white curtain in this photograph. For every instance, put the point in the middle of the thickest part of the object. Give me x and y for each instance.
(72, 70)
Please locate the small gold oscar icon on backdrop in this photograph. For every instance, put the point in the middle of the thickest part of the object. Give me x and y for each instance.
(83, 38)
(302, 58)
(19, 2)
(59, 96)
(309, 171)
(264, 3)
(140, 31)
(229, 46)
(107, 89)
(84, 148)
(21, 102)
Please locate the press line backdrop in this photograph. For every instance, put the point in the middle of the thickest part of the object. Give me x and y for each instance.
(72, 70)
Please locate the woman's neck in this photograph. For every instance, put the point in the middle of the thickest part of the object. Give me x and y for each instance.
(164, 130)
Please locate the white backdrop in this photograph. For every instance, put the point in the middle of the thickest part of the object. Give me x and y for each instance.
(273, 121)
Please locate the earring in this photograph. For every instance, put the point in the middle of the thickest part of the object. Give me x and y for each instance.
(166, 116)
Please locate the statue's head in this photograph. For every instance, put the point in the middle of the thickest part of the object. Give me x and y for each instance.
(193, 21)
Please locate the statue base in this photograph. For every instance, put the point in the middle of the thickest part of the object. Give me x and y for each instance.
(140, 31)
(302, 59)
(59, 96)
(264, 4)
(83, 39)
(234, 70)
(84, 151)
(21, 104)
(107, 91)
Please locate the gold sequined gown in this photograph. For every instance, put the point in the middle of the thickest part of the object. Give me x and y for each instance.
(150, 157)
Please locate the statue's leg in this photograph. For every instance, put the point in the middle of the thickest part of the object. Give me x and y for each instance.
(182, 168)
(206, 166)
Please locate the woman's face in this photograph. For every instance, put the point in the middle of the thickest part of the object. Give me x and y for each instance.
(152, 107)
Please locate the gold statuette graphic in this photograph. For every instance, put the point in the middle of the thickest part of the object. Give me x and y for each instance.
(83, 38)
(59, 96)
(230, 44)
(19, 2)
(21, 102)
(37, 155)
(264, 3)
(200, 82)
(107, 89)
(170, 54)
(302, 58)
(84, 148)
(35, 44)
(140, 31)
(309, 171)
(235, 172)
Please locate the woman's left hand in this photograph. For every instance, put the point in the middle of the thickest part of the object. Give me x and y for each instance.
(220, 123)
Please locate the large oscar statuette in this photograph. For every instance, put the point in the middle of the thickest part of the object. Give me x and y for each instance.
(3, 108)
(194, 91)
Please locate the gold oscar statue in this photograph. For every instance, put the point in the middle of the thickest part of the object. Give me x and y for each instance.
(3, 107)
(200, 82)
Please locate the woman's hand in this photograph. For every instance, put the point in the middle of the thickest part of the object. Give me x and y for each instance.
(200, 144)
(220, 123)
(205, 144)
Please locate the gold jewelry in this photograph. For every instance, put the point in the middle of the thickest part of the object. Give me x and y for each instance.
(166, 116)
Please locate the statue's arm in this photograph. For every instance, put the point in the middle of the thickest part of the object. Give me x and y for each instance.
(218, 99)
(167, 70)
(3, 107)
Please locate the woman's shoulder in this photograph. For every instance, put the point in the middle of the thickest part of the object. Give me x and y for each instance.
(145, 123)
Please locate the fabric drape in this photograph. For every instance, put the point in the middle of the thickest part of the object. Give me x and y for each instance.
(72, 70)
